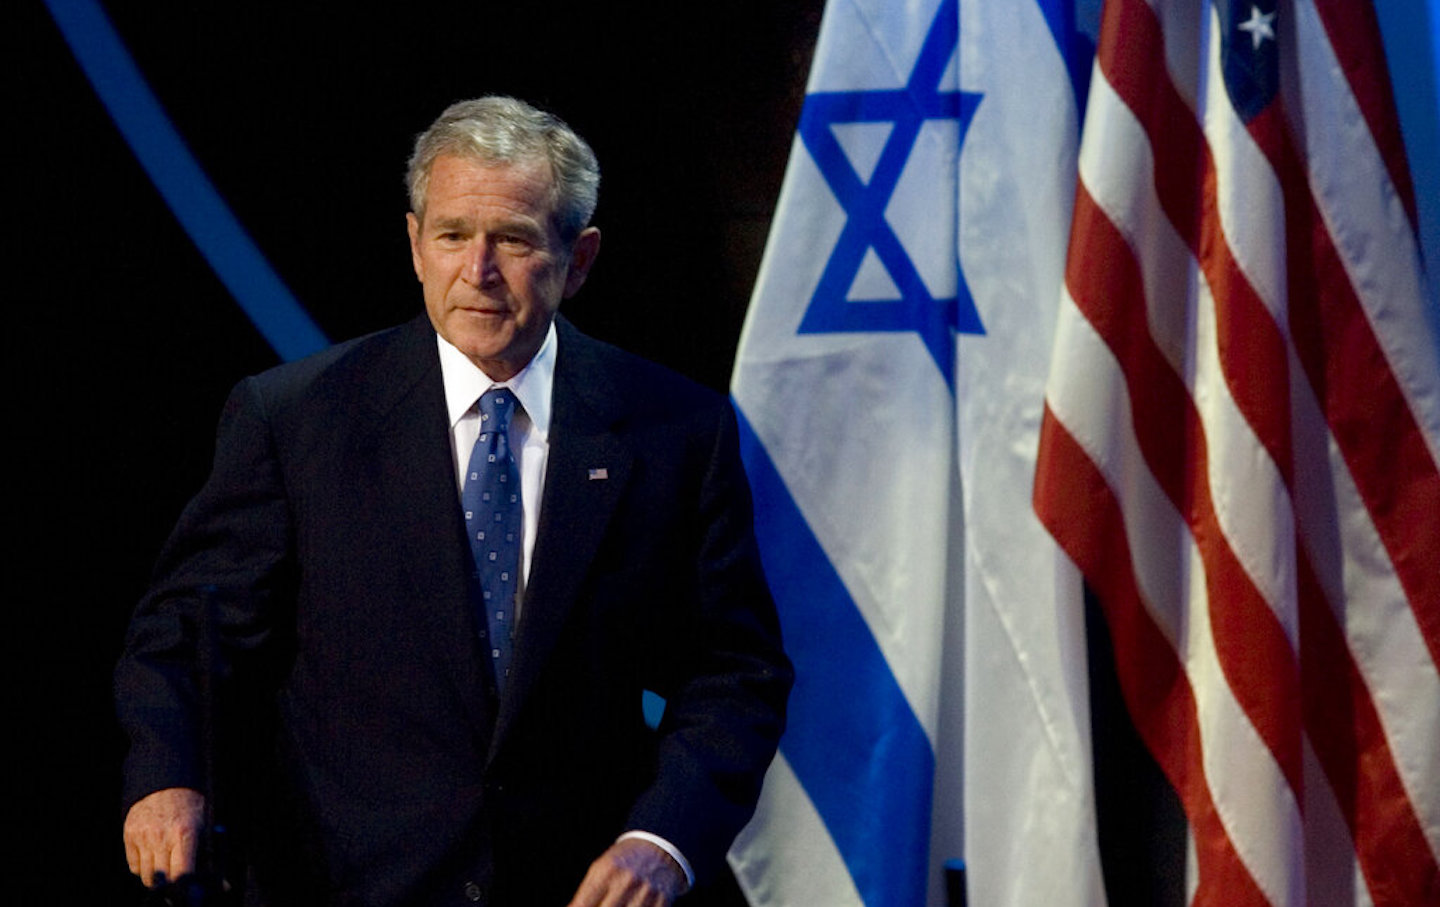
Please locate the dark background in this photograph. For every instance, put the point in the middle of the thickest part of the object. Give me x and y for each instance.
(124, 343)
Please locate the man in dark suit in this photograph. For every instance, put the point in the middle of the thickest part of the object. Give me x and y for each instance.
(423, 748)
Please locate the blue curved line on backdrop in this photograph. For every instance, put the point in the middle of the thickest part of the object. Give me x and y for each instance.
(223, 242)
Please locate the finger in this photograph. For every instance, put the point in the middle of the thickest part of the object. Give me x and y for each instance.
(636, 894)
(616, 892)
(613, 892)
(593, 887)
(147, 866)
(585, 895)
(182, 855)
(163, 874)
(606, 885)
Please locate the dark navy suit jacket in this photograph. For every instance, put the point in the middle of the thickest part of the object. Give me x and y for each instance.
(379, 766)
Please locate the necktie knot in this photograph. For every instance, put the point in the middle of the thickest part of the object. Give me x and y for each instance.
(497, 406)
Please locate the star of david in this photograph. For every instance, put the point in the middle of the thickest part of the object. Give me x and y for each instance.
(831, 310)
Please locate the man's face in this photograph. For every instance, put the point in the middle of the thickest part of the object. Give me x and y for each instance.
(491, 260)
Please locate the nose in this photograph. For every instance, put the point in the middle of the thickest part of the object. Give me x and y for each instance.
(480, 267)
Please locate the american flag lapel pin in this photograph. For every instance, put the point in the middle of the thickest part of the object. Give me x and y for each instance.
(597, 475)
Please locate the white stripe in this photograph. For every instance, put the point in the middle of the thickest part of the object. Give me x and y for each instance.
(1331, 866)
(1353, 567)
(1364, 215)
(1252, 507)
(1378, 251)
(1192, 866)
(1250, 203)
(1181, 22)
(1250, 495)
(1116, 162)
(1251, 502)
(1374, 239)
(1088, 397)
(1247, 491)
(1251, 795)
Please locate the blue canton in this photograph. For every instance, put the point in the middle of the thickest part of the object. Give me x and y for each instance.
(830, 311)
(1250, 54)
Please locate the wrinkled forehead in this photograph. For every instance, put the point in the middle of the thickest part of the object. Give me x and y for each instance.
(533, 172)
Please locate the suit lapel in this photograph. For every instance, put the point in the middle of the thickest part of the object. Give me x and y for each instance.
(588, 468)
(408, 451)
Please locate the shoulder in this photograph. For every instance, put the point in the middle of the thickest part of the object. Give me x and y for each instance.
(372, 368)
(413, 340)
(613, 379)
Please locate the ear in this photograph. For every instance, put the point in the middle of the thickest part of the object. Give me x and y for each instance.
(412, 226)
(582, 257)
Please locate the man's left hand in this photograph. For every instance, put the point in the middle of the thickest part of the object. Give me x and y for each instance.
(632, 873)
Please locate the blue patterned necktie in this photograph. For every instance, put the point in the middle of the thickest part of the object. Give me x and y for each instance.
(493, 521)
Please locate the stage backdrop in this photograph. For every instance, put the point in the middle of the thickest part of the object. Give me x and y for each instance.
(129, 327)
(143, 291)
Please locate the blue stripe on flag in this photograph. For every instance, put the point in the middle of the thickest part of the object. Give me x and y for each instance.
(1069, 22)
(194, 200)
(852, 740)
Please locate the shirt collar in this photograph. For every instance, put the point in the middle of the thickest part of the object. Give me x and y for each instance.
(465, 382)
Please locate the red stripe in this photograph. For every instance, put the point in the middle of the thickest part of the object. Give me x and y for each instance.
(1354, 34)
(1351, 734)
(1346, 366)
(1378, 790)
(1345, 731)
(1398, 479)
(1254, 652)
(1077, 506)
(1253, 353)
(1343, 724)
(1410, 492)
(1340, 715)
(1367, 413)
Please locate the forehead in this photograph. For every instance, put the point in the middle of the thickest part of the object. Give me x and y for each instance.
(460, 185)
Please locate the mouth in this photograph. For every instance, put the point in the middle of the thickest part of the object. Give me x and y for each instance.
(484, 311)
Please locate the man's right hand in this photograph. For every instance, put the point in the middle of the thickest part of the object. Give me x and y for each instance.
(162, 831)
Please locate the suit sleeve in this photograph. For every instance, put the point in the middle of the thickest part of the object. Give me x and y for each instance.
(210, 605)
(723, 720)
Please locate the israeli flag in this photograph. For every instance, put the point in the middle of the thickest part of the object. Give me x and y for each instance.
(890, 382)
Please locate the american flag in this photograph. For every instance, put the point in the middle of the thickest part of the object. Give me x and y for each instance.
(1241, 438)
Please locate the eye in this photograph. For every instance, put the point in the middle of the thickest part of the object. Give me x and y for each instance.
(515, 242)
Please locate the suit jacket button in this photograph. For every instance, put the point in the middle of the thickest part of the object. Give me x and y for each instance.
(473, 892)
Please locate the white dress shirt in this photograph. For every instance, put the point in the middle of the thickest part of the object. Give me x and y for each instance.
(529, 438)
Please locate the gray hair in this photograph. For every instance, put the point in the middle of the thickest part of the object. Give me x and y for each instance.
(499, 130)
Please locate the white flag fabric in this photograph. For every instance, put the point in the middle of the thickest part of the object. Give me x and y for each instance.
(890, 384)
(1029, 808)
(1241, 446)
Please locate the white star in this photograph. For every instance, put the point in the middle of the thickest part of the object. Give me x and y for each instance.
(1259, 26)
